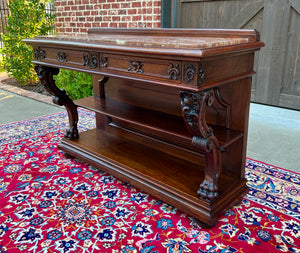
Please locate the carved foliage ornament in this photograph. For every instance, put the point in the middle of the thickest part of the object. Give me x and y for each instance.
(90, 60)
(36, 54)
(194, 107)
(39, 54)
(201, 74)
(103, 62)
(94, 61)
(135, 66)
(61, 57)
(190, 109)
(189, 73)
(173, 71)
(86, 60)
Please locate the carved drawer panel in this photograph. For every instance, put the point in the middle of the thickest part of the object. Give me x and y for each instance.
(75, 59)
(141, 67)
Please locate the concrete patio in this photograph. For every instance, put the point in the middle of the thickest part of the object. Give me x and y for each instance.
(273, 137)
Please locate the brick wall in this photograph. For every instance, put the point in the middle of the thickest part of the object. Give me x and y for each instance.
(75, 17)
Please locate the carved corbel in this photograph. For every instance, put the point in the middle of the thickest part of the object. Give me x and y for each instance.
(45, 74)
(194, 106)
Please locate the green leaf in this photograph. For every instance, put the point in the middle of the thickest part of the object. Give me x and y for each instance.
(26, 20)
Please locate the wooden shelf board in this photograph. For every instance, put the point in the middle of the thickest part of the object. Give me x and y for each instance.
(148, 169)
(157, 123)
(145, 160)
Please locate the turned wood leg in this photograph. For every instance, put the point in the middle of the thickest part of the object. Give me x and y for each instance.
(194, 106)
(60, 97)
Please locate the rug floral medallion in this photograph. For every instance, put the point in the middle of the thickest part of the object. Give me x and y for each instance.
(49, 203)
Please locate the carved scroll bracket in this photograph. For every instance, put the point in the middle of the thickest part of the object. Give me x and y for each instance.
(194, 106)
(60, 97)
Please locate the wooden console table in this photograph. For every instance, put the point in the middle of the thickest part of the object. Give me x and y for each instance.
(171, 108)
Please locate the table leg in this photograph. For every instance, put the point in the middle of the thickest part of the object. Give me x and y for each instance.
(194, 106)
(60, 97)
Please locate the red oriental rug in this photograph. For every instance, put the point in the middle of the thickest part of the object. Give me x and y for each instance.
(53, 204)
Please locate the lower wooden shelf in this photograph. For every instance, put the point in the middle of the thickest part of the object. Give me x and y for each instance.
(166, 176)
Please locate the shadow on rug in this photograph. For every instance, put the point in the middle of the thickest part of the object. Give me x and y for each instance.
(53, 204)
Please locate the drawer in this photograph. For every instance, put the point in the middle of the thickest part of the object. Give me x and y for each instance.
(143, 68)
(139, 67)
(69, 58)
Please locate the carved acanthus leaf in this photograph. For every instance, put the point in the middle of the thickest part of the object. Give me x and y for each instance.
(189, 73)
(135, 66)
(173, 71)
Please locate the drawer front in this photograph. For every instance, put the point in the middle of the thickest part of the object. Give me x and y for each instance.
(170, 72)
(114, 64)
(141, 67)
(69, 58)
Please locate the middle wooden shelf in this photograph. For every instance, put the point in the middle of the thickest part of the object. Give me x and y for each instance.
(160, 125)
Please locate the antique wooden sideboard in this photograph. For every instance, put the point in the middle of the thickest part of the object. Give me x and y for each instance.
(171, 108)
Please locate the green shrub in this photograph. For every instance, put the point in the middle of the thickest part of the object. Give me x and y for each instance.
(27, 19)
(76, 84)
